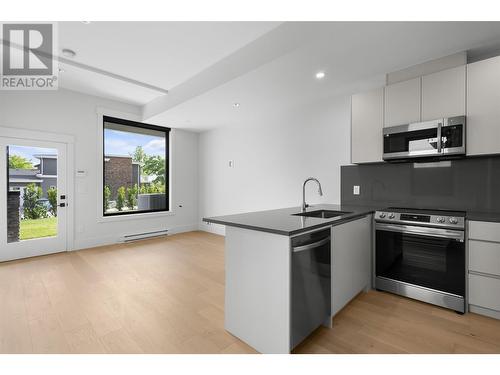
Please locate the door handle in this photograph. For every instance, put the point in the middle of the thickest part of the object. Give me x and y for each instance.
(420, 231)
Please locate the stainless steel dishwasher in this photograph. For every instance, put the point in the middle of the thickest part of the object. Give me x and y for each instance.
(311, 283)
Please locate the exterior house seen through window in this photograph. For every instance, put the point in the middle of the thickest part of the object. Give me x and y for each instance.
(135, 167)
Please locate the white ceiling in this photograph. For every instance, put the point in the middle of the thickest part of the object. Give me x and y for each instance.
(353, 55)
(162, 54)
(83, 80)
(267, 67)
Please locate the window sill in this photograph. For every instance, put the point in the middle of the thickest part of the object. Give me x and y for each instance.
(128, 217)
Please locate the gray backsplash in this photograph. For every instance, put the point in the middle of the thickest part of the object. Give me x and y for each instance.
(471, 184)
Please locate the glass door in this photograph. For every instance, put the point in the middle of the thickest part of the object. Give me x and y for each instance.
(32, 198)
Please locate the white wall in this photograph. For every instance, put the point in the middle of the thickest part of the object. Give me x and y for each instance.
(68, 112)
(272, 159)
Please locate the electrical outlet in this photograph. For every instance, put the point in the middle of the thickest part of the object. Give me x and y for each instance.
(355, 189)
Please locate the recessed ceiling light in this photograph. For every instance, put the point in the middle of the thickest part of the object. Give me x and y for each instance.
(236, 105)
(86, 22)
(320, 75)
(68, 52)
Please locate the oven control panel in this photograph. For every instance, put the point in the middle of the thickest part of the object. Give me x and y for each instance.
(413, 218)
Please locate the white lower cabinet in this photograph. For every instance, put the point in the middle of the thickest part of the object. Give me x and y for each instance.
(484, 257)
(484, 291)
(484, 268)
(351, 261)
(484, 231)
(257, 289)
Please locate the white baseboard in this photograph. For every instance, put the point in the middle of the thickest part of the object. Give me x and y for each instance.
(212, 228)
(183, 228)
(86, 243)
(484, 311)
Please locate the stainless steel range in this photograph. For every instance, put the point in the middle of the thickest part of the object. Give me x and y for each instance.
(421, 254)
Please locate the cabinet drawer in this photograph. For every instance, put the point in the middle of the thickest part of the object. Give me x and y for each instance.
(484, 292)
(484, 257)
(483, 230)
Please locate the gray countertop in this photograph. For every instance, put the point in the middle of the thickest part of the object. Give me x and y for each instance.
(282, 221)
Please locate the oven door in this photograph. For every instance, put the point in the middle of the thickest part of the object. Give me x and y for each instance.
(432, 258)
(414, 140)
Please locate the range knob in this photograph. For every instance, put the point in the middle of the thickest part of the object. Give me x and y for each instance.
(382, 215)
(453, 220)
(440, 219)
(392, 216)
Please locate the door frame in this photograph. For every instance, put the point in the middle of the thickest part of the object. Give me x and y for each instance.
(69, 140)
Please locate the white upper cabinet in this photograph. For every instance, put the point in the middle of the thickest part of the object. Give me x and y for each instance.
(483, 107)
(457, 91)
(402, 102)
(367, 121)
(443, 94)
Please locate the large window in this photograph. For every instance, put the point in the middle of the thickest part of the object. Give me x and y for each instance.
(135, 167)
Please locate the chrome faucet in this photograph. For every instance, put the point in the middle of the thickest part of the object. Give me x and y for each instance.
(304, 204)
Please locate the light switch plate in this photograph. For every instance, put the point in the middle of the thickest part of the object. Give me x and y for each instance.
(355, 189)
(231, 163)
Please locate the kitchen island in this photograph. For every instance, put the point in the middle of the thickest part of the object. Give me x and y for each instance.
(262, 291)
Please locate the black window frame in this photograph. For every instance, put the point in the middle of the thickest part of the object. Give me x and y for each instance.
(142, 125)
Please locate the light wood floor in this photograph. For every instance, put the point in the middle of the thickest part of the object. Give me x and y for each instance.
(167, 296)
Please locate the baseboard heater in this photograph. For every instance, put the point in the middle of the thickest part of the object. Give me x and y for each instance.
(144, 236)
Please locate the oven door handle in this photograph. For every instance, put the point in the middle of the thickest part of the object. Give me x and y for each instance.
(420, 231)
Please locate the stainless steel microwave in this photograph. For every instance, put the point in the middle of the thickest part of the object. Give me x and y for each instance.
(437, 138)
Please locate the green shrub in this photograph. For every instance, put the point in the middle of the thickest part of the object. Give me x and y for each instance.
(39, 212)
(132, 197)
(32, 208)
(107, 195)
(152, 188)
(52, 196)
(120, 198)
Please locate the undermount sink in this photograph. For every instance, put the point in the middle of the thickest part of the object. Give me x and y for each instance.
(323, 214)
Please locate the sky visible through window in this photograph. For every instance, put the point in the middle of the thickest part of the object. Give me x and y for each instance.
(120, 143)
(28, 152)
